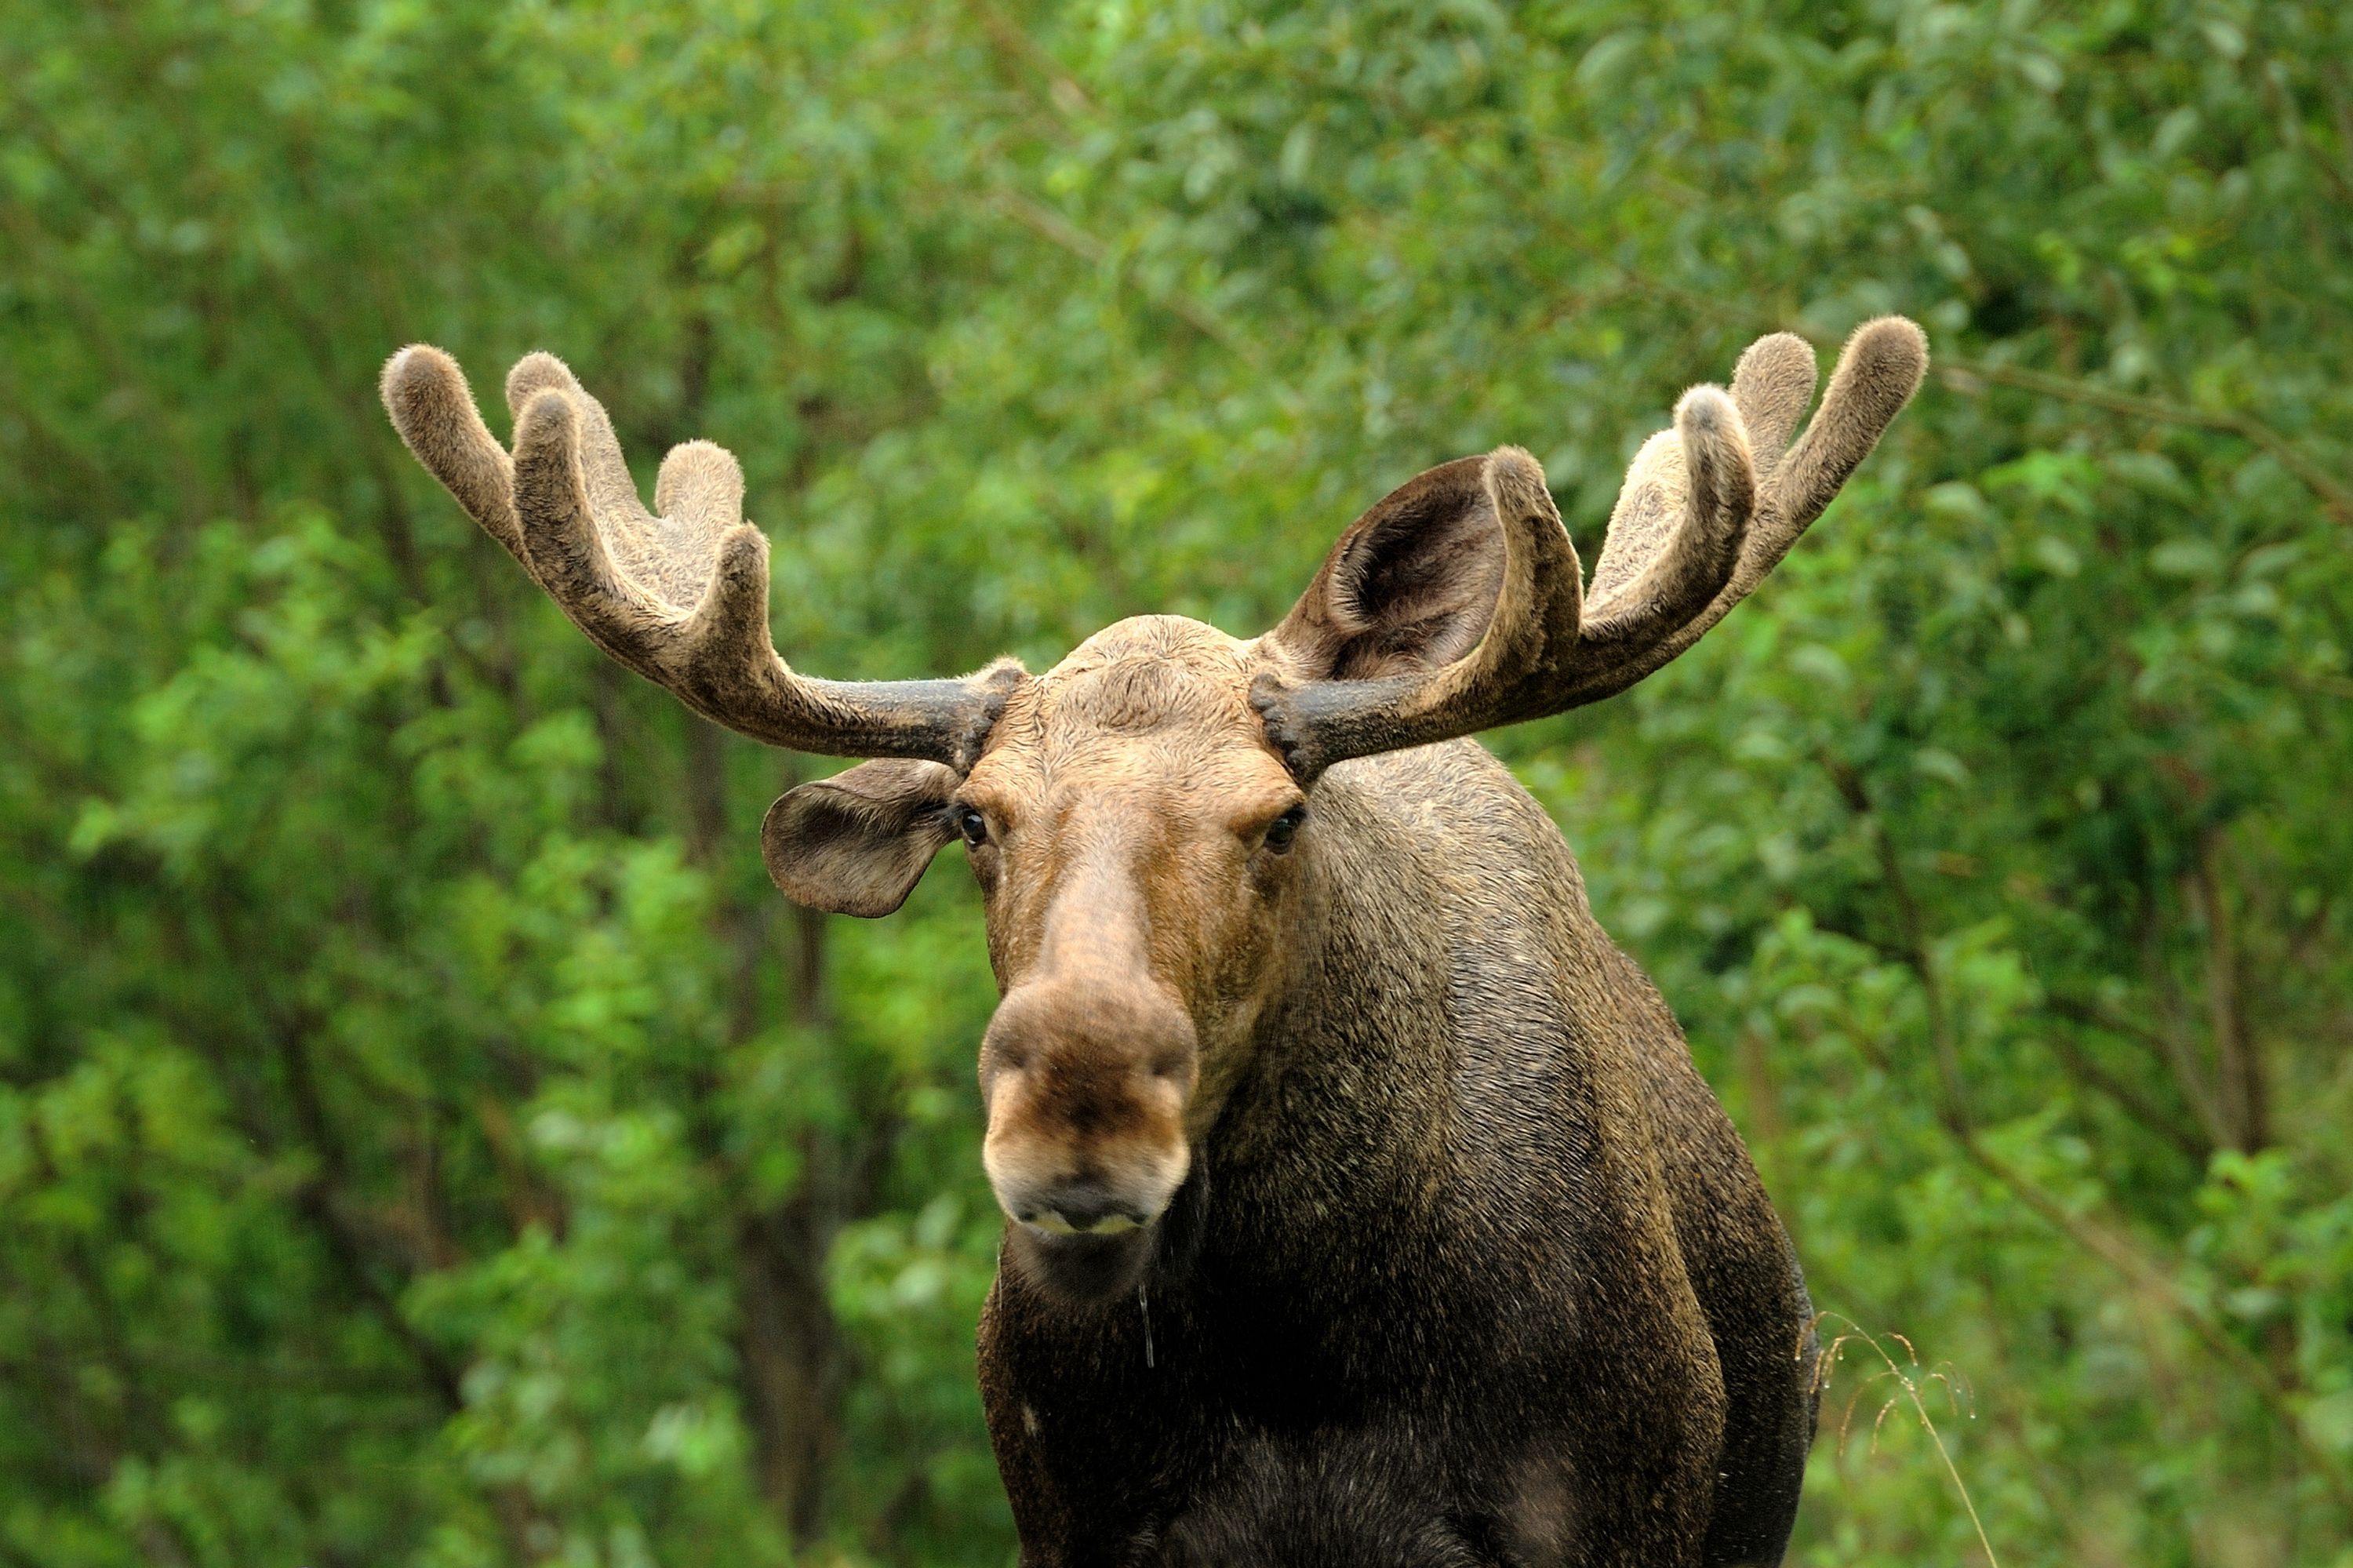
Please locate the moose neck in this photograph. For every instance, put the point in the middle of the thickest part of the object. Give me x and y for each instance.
(1385, 1015)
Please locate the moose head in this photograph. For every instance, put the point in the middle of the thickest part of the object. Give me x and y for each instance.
(1145, 819)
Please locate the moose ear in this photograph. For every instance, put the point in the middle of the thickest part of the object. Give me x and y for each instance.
(1412, 584)
(858, 843)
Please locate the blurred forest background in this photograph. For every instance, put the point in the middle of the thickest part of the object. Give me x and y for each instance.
(424, 1137)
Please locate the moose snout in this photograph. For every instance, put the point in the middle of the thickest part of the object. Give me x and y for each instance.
(1086, 1096)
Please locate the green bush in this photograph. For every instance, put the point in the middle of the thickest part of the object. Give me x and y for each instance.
(426, 1139)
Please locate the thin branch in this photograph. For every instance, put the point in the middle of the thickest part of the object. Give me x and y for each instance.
(316, 1199)
(1953, 1108)
(2148, 1112)
(2080, 1010)
(2110, 1244)
(2237, 1059)
(1068, 98)
(2173, 1038)
(1056, 229)
(1965, 374)
(2290, 115)
(2121, 1254)
(2195, 1139)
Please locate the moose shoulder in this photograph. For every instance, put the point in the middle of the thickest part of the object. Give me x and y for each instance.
(1362, 1203)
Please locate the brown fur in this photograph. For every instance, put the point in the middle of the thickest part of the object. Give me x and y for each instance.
(1364, 1205)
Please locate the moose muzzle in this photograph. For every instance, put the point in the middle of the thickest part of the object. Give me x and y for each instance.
(1086, 1085)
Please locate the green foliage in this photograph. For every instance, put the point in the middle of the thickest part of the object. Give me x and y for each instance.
(425, 1138)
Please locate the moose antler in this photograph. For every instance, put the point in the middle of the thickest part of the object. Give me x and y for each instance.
(681, 598)
(1707, 509)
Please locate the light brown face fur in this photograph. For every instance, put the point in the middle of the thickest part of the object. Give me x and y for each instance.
(1134, 903)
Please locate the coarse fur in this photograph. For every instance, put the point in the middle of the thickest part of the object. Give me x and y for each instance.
(1362, 1203)
(1462, 1211)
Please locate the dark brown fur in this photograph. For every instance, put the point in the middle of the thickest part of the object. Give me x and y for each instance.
(1468, 1215)
(1364, 1205)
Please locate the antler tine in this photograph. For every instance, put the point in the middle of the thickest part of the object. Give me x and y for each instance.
(1707, 459)
(1773, 386)
(1881, 366)
(425, 394)
(700, 484)
(568, 546)
(671, 561)
(682, 598)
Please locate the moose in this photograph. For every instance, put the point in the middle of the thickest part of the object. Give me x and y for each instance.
(1363, 1204)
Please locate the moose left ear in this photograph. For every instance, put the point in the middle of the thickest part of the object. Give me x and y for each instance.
(858, 843)
(1412, 584)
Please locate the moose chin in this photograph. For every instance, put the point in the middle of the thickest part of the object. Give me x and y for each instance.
(1362, 1203)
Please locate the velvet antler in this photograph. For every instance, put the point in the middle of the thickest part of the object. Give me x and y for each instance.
(1707, 509)
(679, 595)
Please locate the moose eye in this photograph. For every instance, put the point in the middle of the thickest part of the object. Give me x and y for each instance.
(1283, 829)
(972, 825)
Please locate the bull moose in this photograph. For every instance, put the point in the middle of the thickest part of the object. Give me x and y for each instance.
(1362, 1203)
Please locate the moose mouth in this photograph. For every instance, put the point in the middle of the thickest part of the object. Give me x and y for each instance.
(1108, 1261)
(1083, 1268)
(1050, 1222)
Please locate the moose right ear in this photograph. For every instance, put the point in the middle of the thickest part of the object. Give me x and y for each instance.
(858, 843)
(1412, 584)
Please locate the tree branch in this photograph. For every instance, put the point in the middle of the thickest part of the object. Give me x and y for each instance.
(1965, 375)
(1068, 98)
(2238, 1061)
(1056, 229)
(2148, 1112)
(2108, 1244)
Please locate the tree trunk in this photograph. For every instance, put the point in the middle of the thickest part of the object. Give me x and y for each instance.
(791, 1360)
